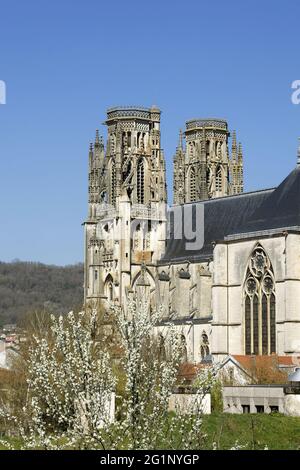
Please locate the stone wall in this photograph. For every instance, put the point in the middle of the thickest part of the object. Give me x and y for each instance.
(185, 403)
(260, 399)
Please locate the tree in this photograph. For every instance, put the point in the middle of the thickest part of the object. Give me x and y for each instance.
(70, 386)
(73, 371)
(151, 376)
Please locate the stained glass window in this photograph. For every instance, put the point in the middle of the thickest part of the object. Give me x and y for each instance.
(248, 325)
(260, 305)
(255, 326)
(272, 324)
(264, 326)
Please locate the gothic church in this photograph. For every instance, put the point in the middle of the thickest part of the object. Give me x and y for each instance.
(239, 293)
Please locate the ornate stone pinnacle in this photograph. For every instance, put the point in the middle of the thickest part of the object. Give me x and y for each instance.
(240, 151)
(180, 139)
(234, 139)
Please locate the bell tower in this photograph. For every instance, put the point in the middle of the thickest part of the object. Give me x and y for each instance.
(126, 226)
(134, 158)
(204, 169)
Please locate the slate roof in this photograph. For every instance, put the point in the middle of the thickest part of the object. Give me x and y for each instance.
(222, 216)
(257, 211)
(281, 209)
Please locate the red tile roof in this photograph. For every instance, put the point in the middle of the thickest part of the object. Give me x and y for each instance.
(188, 371)
(249, 362)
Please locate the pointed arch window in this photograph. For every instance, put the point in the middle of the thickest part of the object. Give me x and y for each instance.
(207, 148)
(162, 347)
(110, 292)
(192, 185)
(103, 197)
(109, 288)
(260, 305)
(184, 353)
(204, 347)
(141, 182)
(127, 168)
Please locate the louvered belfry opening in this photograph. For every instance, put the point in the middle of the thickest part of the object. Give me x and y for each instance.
(141, 182)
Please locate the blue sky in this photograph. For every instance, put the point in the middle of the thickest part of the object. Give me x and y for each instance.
(64, 62)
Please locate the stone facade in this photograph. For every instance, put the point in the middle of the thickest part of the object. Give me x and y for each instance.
(237, 294)
(204, 168)
(126, 227)
(254, 399)
(260, 399)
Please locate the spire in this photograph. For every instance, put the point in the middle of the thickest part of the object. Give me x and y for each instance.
(298, 153)
(97, 138)
(234, 147)
(180, 140)
(98, 151)
(240, 153)
(179, 148)
(91, 154)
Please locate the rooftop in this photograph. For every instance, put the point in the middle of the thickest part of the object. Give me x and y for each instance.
(137, 112)
(238, 216)
(206, 122)
(222, 216)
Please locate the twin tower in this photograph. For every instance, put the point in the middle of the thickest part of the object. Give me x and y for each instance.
(127, 181)
(133, 162)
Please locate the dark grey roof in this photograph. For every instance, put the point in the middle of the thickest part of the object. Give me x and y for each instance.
(280, 210)
(258, 211)
(222, 216)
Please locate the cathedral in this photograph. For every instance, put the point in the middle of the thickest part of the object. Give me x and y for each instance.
(235, 293)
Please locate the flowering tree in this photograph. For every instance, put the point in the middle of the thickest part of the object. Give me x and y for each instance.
(151, 375)
(187, 430)
(70, 386)
(72, 377)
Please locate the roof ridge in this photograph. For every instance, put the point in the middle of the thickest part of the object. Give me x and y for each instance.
(230, 196)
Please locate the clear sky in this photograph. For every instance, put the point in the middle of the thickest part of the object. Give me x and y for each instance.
(64, 62)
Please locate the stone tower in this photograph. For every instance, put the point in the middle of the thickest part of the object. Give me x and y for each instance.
(135, 161)
(204, 169)
(125, 233)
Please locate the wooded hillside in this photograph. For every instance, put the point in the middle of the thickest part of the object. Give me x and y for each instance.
(25, 286)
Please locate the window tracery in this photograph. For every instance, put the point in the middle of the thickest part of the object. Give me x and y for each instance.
(259, 305)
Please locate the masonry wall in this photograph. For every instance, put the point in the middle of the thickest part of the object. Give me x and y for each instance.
(229, 270)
